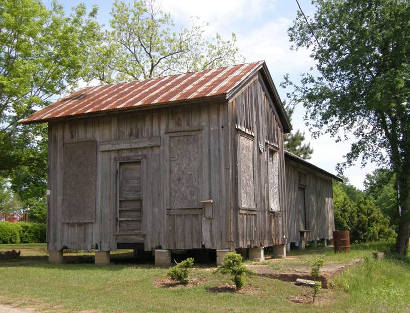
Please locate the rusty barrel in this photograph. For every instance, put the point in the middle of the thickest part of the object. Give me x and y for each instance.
(341, 240)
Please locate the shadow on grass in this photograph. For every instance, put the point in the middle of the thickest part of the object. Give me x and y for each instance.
(78, 262)
(367, 246)
(224, 288)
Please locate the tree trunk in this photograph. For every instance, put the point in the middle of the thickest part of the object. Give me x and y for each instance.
(402, 242)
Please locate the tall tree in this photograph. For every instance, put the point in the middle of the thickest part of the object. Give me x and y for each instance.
(42, 53)
(359, 214)
(144, 42)
(360, 85)
(294, 142)
(381, 186)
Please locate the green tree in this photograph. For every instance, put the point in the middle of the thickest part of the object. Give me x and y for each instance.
(144, 42)
(359, 214)
(9, 200)
(294, 142)
(380, 185)
(42, 54)
(360, 85)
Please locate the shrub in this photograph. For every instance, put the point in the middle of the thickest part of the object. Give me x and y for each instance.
(316, 265)
(315, 270)
(22, 232)
(9, 232)
(233, 265)
(180, 272)
(32, 232)
(316, 289)
(358, 213)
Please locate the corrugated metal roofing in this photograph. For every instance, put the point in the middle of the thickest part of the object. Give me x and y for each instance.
(180, 87)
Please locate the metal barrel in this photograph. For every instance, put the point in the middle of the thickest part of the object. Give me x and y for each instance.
(341, 240)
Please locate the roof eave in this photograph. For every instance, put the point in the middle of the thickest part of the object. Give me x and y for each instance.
(221, 98)
(298, 159)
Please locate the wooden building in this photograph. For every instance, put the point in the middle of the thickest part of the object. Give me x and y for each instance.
(189, 161)
(309, 201)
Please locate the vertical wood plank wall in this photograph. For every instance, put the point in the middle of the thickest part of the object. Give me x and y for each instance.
(215, 213)
(145, 135)
(254, 117)
(318, 203)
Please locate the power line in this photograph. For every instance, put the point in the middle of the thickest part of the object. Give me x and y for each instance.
(308, 24)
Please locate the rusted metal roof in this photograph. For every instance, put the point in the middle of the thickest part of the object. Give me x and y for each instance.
(155, 91)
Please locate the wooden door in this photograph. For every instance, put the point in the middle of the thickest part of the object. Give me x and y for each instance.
(184, 207)
(301, 206)
(129, 204)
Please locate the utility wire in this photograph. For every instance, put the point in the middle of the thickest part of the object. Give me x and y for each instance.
(308, 24)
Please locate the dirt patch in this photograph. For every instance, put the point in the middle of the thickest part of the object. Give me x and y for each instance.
(10, 309)
(247, 289)
(169, 283)
(302, 299)
(290, 275)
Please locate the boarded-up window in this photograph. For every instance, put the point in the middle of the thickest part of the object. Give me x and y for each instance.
(246, 187)
(273, 176)
(185, 171)
(79, 182)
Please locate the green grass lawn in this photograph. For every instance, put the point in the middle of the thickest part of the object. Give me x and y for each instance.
(298, 258)
(373, 286)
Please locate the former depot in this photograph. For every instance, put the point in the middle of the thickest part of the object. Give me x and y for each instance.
(189, 161)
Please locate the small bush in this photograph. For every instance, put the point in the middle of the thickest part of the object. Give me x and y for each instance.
(316, 289)
(32, 232)
(9, 232)
(316, 265)
(22, 232)
(315, 270)
(233, 265)
(180, 272)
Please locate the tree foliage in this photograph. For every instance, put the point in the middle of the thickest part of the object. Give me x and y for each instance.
(43, 53)
(360, 85)
(144, 42)
(360, 215)
(381, 187)
(295, 141)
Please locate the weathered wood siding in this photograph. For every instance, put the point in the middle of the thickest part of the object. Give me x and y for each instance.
(257, 207)
(318, 201)
(178, 157)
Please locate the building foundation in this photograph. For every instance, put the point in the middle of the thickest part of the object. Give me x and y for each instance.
(102, 257)
(279, 251)
(162, 257)
(256, 254)
(220, 256)
(55, 257)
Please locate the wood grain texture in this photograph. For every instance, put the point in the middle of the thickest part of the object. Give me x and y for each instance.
(228, 152)
(309, 203)
(256, 120)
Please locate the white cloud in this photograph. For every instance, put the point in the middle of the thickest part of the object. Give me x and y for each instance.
(219, 14)
(270, 43)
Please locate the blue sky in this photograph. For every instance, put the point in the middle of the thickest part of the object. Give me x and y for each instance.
(261, 30)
